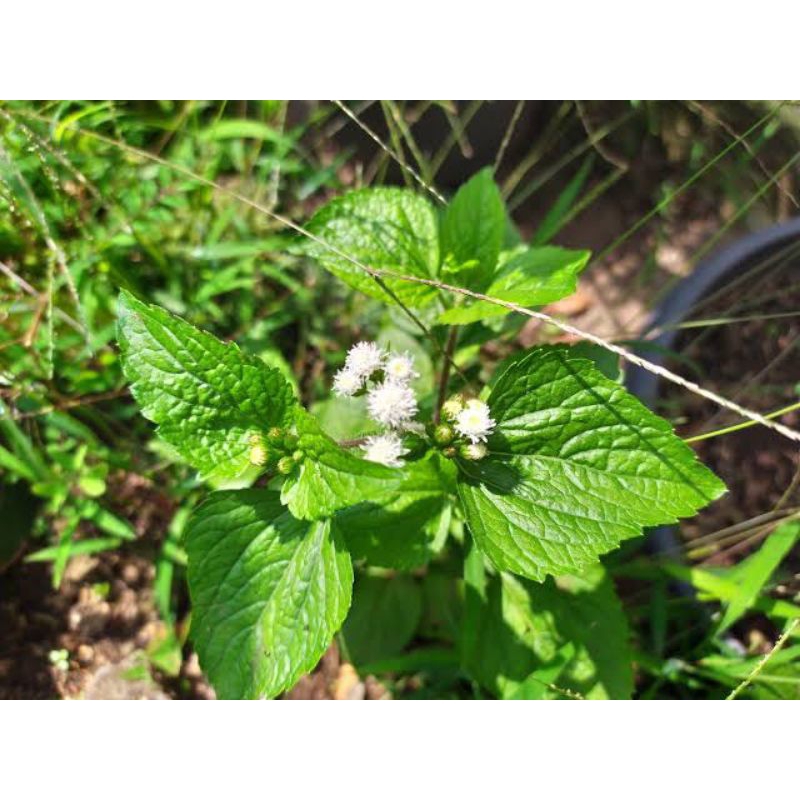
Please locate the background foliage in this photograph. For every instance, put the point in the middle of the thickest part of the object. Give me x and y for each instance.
(177, 202)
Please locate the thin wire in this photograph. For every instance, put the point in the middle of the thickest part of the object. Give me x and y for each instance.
(388, 150)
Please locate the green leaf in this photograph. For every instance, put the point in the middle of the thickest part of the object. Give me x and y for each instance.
(752, 574)
(517, 635)
(83, 547)
(268, 592)
(408, 529)
(577, 465)
(558, 213)
(18, 509)
(164, 653)
(343, 417)
(711, 585)
(779, 679)
(443, 605)
(473, 229)
(384, 617)
(382, 228)
(532, 277)
(542, 682)
(604, 360)
(331, 477)
(206, 397)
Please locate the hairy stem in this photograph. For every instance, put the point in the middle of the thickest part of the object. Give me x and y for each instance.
(352, 442)
(449, 349)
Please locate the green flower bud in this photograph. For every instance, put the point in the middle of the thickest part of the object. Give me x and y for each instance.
(298, 456)
(452, 408)
(286, 465)
(259, 454)
(443, 434)
(275, 434)
(450, 452)
(473, 452)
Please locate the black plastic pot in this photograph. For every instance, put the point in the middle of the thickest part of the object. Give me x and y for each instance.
(712, 274)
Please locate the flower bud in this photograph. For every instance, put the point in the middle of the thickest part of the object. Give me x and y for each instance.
(443, 434)
(450, 452)
(453, 406)
(286, 465)
(473, 452)
(259, 454)
(298, 456)
(275, 434)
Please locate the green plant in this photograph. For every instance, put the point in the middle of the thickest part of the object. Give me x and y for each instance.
(78, 219)
(504, 496)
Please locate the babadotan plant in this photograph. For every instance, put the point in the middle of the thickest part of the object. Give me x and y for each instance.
(525, 482)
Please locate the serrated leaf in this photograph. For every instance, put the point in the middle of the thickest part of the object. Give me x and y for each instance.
(268, 592)
(385, 614)
(473, 229)
(206, 397)
(331, 477)
(578, 464)
(532, 277)
(604, 360)
(382, 228)
(517, 633)
(407, 530)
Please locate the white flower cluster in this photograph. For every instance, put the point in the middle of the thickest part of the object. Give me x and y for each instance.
(392, 402)
(362, 360)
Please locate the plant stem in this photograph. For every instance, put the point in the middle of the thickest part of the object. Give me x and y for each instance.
(763, 663)
(352, 442)
(742, 425)
(449, 349)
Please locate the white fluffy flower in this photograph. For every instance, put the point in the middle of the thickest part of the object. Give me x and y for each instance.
(364, 358)
(400, 368)
(474, 421)
(392, 404)
(346, 382)
(385, 449)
